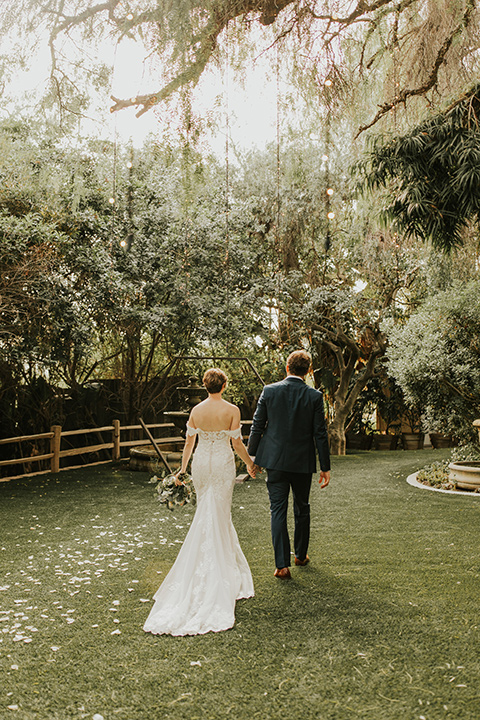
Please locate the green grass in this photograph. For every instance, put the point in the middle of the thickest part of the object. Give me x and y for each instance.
(383, 623)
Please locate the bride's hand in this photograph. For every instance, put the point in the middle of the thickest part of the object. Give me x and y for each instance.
(252, 469)
(177, 478)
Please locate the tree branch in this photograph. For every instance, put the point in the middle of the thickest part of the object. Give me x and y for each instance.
(432, 78)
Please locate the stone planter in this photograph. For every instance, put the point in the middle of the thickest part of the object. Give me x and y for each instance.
(465, 474)
(146, 459)
(385, 442)
(413, 441)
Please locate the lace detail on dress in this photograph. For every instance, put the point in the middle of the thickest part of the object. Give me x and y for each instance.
(210, 572)
(217, 434)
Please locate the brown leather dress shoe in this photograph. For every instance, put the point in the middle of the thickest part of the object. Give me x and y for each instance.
(283, 573)
(302, 562)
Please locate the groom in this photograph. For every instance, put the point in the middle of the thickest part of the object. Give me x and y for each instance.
(289, 423)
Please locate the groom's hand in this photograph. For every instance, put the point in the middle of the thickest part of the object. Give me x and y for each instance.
(324, 478)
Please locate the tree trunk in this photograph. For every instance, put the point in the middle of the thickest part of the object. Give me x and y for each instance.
(336, 436)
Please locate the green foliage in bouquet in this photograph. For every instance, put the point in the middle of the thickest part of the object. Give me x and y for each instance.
(172, 494)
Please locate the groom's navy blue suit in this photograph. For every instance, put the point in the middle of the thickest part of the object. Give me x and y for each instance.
(287, 428)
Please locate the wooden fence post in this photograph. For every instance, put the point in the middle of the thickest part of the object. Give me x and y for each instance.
(55, 448)
(116, 440)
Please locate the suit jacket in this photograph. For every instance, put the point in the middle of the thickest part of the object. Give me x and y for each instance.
(289, 423)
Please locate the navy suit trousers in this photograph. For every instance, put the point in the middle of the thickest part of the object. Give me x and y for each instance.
(279, 483)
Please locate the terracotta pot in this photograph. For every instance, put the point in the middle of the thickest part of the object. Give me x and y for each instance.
(413, 441)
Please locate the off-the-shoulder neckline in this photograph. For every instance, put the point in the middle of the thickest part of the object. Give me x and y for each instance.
(227, 430)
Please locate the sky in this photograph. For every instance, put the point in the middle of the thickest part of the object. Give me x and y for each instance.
(252, 110)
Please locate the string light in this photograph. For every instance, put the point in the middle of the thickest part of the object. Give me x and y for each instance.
(324, 158)
(111, 201)
(328, 83)
(123, 243)
(129, 16)
(129, 165)
(330, 191)
(330, 215)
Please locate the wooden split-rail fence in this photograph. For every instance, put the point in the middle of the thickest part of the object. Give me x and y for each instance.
(58, 457)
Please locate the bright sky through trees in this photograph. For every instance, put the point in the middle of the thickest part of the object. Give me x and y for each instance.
(251, 106)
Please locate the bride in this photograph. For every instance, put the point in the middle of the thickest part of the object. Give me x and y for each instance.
(210, 573)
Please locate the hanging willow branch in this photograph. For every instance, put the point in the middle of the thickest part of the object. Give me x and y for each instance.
(432, 79)
(186, 33)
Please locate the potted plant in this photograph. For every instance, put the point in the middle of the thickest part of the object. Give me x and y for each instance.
(389, 404)
(359, 428)
(415, 437)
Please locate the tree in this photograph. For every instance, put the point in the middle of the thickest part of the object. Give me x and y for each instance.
(325, 285)
(417, 46)
(110, 281)
(434, 357)
(431, 175)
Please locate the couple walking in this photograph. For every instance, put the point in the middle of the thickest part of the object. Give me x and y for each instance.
(211, 572)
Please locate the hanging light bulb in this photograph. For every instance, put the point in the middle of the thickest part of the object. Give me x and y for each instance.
(123, 243)
(330, 215)
(328, 82)
(330, 191)
(324, 158)
(129, 16)
(129, 165)
(111, 201)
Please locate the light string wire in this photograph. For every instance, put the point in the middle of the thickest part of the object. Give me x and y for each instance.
(227, 183)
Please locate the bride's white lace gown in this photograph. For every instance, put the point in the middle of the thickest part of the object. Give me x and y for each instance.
(210, 573)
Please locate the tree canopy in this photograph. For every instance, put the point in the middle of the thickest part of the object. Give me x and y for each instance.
(435, 359)
(418, 47)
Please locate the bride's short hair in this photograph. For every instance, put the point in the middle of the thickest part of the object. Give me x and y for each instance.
(214, 379)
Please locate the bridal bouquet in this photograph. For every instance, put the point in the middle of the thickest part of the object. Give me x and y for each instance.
(172, 494)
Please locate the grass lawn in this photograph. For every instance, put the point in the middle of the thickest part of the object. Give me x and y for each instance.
(383, 623)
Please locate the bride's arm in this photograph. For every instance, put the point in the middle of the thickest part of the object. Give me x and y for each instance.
(187, 449)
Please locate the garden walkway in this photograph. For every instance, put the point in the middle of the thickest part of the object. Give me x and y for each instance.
(383, 623)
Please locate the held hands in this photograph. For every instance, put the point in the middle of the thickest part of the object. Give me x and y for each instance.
(324, 478)
(252, 469)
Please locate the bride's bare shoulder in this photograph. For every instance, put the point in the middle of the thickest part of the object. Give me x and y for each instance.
(233, 408)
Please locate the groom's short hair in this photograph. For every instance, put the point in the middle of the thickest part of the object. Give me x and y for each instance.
(299, 363)
(214, 379)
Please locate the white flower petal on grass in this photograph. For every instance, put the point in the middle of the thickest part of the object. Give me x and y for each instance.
(196, 662)
(116, 632)
(13, 707)
(54, 648)
(144, 599)
(116, 620)
(115, 602)
(97, 716)
(14, 667)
